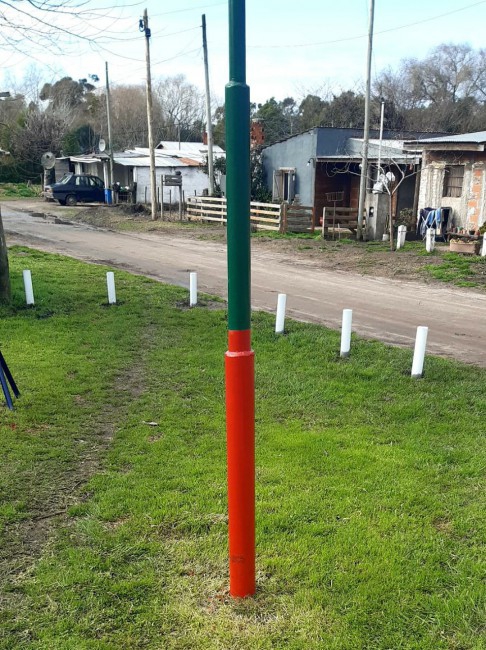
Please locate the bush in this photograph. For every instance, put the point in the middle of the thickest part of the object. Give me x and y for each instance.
(19, 190)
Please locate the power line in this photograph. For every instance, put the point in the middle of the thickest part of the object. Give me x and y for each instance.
(382, 31)
(178, 11)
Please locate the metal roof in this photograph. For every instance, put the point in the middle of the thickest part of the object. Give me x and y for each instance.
(479, 137)
(390, 149)
(144, 161)
(186, 147)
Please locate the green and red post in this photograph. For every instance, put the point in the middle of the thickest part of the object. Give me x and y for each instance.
(239, 359)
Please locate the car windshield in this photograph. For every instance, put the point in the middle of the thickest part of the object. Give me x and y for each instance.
(65, 179)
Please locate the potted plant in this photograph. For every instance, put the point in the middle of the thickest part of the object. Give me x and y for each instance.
(465, 245)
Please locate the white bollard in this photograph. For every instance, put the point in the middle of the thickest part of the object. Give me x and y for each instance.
(430, 240)
(110, 282)
(419, 352)
(280, 320)
(483, 247)
(402, 233)
(192, 289)
(346, 332)
(29, 291)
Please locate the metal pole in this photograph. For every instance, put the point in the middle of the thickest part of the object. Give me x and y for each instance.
(108, 117)
(239, 360)
(366, 135)
(150, 118)
(209, 125)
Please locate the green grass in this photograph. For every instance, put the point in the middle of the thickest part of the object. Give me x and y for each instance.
(370, 485)
(461, 270)
(19, 191)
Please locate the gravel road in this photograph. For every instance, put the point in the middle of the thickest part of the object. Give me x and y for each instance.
(384, 309)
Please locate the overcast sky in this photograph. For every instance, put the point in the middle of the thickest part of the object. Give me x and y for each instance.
(293, 47)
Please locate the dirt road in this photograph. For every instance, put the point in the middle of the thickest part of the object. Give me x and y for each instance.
(384, 309)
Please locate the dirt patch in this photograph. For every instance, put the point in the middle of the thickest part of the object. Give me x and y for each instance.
(370, 258)
(25, 541)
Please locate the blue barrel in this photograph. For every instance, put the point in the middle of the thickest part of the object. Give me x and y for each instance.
(108, 196)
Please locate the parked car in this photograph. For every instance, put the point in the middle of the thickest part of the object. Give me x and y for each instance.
(74, 188)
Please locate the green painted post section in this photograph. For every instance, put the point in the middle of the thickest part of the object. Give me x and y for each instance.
(237, 97)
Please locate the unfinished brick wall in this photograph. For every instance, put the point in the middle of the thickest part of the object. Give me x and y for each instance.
(469, 210)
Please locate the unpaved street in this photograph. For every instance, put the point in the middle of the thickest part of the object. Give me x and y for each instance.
(383, 308)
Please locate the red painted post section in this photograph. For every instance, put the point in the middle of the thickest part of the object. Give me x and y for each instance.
(240, 431)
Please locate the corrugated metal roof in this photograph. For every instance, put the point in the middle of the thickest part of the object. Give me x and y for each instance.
(390, 149)
(479, 137)
(187, 147)
(144, 161)
(166, 155)
(85, 159)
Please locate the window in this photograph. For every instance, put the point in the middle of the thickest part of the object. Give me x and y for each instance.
(453, 178)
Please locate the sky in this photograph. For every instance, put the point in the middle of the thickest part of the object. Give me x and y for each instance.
(293, 47)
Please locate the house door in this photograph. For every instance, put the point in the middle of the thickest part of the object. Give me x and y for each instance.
(284, 185)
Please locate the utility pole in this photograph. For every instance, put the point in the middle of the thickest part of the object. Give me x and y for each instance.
(143, 26)
(382, 121)
(366, 135)
(108, 114)
(209, 126)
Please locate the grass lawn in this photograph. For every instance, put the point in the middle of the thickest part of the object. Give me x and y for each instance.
(11, 191)
(461, 270)
(370, 485)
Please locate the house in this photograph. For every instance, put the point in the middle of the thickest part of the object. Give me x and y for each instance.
(321, 168)
(131, 168)
(454, 176)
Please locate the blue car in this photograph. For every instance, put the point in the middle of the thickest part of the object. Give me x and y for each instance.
(76, 188)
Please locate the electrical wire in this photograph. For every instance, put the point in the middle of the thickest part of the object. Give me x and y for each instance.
(382, 31)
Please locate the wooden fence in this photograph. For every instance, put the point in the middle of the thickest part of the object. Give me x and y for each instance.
(265, 216)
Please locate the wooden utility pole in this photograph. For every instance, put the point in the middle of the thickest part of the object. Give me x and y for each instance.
(153, 182)
(366, 135)
(209, 125)
(108, 117)
(5, 292)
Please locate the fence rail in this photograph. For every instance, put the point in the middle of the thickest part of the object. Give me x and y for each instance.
(265, 216)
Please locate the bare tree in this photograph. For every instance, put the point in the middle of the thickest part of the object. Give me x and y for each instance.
(182, 105)
(129, 116)
(42, 24)
(445, 91)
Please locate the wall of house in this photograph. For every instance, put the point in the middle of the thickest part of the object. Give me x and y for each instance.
(194, 181)
(468, 210)
(295, 153)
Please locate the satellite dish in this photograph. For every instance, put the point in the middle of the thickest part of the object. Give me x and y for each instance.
(101, 145)
(48, 160)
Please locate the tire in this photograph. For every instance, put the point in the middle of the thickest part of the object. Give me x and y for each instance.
(62, 201)
(70, 200)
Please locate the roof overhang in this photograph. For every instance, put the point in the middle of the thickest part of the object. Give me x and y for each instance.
(446, 146)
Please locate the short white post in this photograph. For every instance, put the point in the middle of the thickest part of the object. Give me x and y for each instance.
(483, 247)
(346, 332)
(192, 289)
(419, 352)
(430, 240)
(402, 233)
(110, 282)
(29, 291)
(280, 320)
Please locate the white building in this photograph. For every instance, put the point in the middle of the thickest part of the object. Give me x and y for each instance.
(132, 168)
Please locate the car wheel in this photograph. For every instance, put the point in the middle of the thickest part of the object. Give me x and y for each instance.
(62, 201)
(71, 200)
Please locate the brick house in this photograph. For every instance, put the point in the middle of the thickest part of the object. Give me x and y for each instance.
(454, 176)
